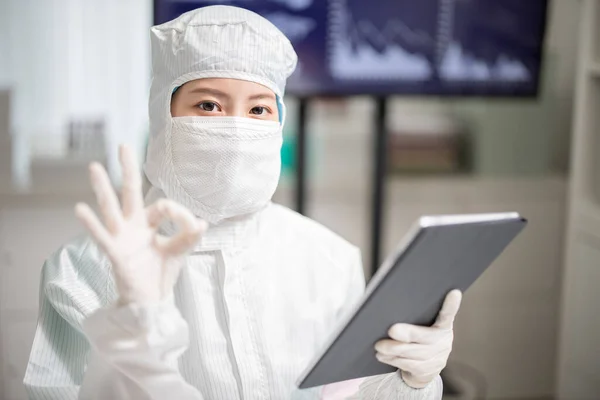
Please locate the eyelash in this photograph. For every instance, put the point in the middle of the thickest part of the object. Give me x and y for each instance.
(208, 102)
(266, 110)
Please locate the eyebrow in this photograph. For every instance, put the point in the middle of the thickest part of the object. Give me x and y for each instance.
(262, 96)
(213, 92)
(219, 93)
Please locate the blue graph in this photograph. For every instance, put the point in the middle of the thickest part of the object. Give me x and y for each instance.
(478, 59)
(361, 49)
(438, 47)
(460, 66)
(376, 46)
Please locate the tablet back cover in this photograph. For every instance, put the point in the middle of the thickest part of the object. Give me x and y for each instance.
(437, 260)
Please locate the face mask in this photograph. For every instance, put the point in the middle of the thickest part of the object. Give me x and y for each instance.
(228, 166)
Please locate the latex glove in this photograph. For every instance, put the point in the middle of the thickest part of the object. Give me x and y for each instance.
(420, 352)
(145, 264)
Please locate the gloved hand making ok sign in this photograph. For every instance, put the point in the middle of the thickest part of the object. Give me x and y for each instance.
(145, 264)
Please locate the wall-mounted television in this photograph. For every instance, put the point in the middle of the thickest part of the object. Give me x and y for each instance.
(405, 47)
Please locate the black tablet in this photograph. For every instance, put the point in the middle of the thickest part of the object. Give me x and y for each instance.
(440, 253)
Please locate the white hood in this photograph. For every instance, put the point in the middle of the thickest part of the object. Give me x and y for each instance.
(210, 42)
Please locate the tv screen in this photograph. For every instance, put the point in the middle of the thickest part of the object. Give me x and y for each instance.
(410, 47)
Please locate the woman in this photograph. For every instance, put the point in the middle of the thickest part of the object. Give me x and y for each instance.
(234, 311)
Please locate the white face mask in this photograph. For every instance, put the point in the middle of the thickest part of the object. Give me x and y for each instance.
(229, 166)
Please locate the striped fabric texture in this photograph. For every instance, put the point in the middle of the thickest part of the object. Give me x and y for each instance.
(259, 297)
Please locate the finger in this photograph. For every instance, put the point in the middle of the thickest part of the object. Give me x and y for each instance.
(185, 220)
(106, 197)
(416, 367)
(179, 244)
(190, 227)
(132, 182)
(161, 210)
(413, 351)
(396, 362)
(389, 347)
(385, 358)
(394, 348)
(407, 333)
(153, 215)
(445, 318)
(174, 246)
(89, 219)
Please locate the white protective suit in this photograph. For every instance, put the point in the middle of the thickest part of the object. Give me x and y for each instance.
(254, 301)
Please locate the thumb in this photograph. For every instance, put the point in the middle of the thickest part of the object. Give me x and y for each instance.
(445, 318)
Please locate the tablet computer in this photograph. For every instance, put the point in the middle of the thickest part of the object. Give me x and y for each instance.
(440, 253)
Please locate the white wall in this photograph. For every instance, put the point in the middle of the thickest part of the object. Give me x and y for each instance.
(76, 59)
(4, 46)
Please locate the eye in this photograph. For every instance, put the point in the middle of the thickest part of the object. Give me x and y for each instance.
(209, 106)
(260, 111)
